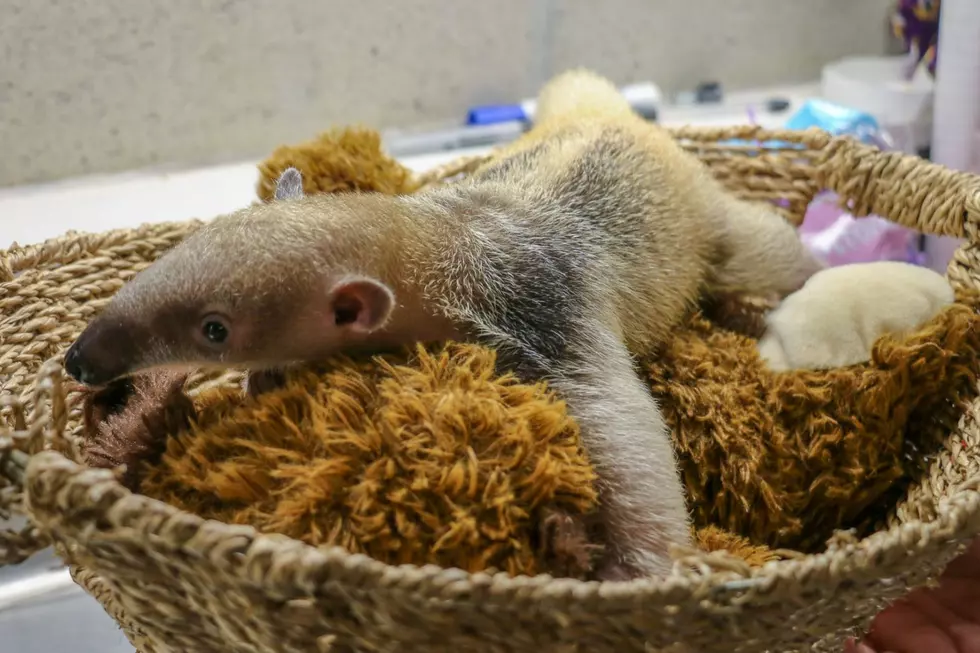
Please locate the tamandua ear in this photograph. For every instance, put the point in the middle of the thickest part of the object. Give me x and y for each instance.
(361, 304)
(290, 185)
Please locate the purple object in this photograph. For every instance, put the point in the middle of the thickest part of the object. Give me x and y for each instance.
(916, 22)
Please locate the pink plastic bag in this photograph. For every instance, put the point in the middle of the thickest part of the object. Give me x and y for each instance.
(838, 238)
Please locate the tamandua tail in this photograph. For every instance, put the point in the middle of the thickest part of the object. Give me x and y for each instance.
(580, 93)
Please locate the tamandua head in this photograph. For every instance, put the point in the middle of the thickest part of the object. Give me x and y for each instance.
(252, 288)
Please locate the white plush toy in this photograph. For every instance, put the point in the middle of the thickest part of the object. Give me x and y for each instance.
(839, 313)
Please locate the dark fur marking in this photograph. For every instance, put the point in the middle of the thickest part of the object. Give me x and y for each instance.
(542, 311)
(593, 188)
(543, 314)
(517, 163)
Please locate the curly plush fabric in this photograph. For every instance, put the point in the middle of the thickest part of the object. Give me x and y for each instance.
(785, 459)
(432, 458)
(338, 160)
(129, 422)
(429, 457)
(424, 458)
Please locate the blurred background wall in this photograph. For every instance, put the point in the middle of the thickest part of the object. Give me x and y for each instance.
(95, 86)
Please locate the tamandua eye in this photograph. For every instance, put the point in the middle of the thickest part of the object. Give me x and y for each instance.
(214, 330)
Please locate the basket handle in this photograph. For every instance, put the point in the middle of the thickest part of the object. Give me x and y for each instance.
(924, 196)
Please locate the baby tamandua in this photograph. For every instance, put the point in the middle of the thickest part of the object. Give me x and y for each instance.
(836, 317)
(584, 240)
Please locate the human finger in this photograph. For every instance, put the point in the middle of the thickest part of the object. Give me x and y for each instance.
(903, 628)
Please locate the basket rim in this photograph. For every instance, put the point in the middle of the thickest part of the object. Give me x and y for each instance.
(91, 502)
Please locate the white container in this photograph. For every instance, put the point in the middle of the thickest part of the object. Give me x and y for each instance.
(875, 85)
(956, 134)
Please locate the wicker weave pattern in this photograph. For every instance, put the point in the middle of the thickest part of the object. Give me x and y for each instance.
(177, 583)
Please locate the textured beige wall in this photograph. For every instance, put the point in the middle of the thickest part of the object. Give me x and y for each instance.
(738, 42)
(106, 85)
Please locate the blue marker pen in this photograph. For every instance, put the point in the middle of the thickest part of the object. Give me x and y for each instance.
(645, 98)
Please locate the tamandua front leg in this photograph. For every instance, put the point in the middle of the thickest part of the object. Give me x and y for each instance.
(642, 501)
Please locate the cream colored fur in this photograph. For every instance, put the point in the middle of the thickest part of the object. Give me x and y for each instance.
(835, 319)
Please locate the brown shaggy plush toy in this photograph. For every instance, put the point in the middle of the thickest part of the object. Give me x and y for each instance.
(429, 457)
(339, 160)
(425, 457)
(786, 459)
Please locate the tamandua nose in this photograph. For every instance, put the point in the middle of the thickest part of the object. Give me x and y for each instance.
(74, 366)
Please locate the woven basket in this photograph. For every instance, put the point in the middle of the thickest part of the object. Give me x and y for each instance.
(177, 583)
